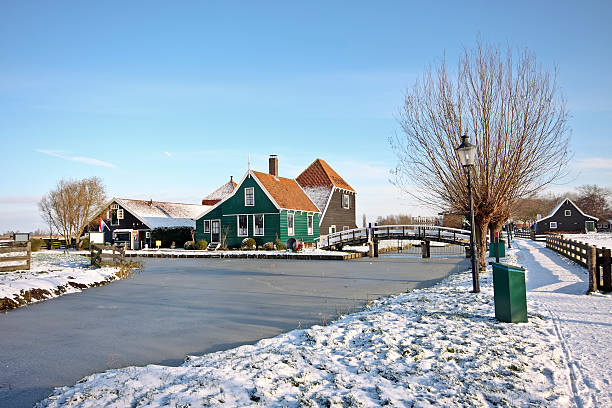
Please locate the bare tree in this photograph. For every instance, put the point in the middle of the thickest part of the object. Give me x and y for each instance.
(518, 120)
(71, 204)
(594, 200)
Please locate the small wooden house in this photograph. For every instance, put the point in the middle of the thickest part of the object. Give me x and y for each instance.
(332, 195)
(130, 222)
(262, 206)
(566, 217)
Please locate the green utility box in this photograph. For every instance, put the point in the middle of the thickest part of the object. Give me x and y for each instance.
(502, 249)
(509, 293)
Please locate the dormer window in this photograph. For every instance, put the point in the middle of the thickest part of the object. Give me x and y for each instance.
(346, 201)
(249, 197)
(568, 213)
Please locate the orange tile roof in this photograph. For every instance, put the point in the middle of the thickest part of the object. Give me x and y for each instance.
(319, 173)
(286, 192)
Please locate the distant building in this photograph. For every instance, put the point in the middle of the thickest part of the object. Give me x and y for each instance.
(566, 217)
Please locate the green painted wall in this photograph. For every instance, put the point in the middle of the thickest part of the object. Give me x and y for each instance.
(300, 226)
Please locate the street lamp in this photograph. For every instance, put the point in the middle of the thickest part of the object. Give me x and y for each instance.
(466, 152)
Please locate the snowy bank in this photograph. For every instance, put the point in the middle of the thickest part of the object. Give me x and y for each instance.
(601, 239)
(436, 346)
(51, 274)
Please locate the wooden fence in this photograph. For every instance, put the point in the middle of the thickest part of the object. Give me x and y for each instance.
(530, 235)
(116, 254)
(17, 248)
(588, 256)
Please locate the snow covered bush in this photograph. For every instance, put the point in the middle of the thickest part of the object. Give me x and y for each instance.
(249, 243)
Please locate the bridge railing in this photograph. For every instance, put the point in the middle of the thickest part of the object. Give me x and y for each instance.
(355, 234)
(380, 232)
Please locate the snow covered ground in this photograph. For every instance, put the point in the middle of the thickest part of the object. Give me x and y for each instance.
(583, 323)
(52, 274)
(438, 346)
(600, 239)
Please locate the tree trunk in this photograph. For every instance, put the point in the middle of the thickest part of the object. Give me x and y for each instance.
(481, 241)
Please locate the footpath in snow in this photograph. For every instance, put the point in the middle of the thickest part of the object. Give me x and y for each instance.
(51, 274)
(583, 323)
(439, 346)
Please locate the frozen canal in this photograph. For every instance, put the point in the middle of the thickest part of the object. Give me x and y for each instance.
(188, 306)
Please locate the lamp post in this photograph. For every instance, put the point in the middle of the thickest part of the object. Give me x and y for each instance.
(467, 152)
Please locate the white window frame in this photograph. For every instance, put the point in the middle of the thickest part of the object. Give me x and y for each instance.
(291, 231)
(114, 206)
(346, 201)
(310, 223)
(246, 217)
(346, 228)
(553, 225)
(263, 226)
(207, 226)
(332, 229)
(120, 214)
(568, 213)
(252, 191)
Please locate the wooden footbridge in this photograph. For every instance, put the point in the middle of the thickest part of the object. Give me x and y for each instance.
(374, 234)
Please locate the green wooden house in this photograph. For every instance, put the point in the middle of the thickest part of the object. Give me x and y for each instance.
(263, 206)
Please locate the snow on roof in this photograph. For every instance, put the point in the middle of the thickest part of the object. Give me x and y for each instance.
(160, 222)
(319, 195)
(222, 192)
(163, 214)
(558, 206)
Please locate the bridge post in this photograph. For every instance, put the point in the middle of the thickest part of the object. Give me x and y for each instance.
(375, 245)
(425, 249)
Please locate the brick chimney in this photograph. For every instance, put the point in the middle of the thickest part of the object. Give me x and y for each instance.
(273, 165)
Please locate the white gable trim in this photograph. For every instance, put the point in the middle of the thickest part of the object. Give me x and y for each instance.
(225, 199)
(265, 190)
(558, 206)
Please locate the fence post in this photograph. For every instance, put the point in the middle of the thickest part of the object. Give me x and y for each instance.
(29, 255)
(606, 270)
(591, 266)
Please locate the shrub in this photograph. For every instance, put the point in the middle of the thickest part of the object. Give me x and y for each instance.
(189, 245)
(36, 243)
(168, 235)
(279, 244)
(268, 246)
(201, 244)
(248, 243)
(85, 243)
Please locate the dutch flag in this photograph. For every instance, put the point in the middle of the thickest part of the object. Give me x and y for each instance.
(102, 226)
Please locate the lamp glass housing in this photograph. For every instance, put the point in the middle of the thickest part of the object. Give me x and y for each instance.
(466, 151)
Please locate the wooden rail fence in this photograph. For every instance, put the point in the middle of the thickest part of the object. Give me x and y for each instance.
(15, 248)
(588, 256)
(117, 255)
(530, 235)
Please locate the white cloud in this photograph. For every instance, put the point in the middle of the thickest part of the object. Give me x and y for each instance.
(168, 154)
(87, 160)
(594, 163)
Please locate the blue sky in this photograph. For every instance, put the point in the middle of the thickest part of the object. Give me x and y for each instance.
(166, 100)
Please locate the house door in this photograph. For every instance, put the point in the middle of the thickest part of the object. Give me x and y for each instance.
(215, 231)
(589, 225)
